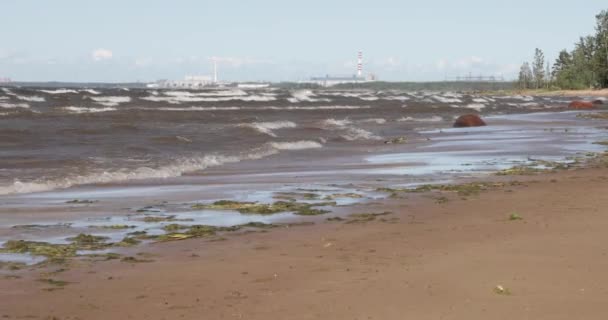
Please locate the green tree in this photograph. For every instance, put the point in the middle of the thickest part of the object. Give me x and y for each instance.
(538, 68)
(525, 76)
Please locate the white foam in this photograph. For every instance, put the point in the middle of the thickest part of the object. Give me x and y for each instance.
(480, 100)
(14, 105)
(78, 110)
(194, 108)
(90, 91)
(59, 91)
(296, 145)
(397, 98)
(223, 93)
(475, 106)
(337, 123)
(353, 134)
(446, 99)
(185, 98)
(430, 119)
(176, 169)
(374, 120)
(110, 101)
(305, 96)
(30, 98)
(267, 127)
(369, 98)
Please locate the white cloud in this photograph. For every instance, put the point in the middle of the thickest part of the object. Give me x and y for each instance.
(101, 54)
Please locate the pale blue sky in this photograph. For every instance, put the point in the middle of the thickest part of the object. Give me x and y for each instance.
(128, 40)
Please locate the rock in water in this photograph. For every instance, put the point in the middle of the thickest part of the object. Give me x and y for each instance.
(469, 120)
(581, 105)
(598, 102)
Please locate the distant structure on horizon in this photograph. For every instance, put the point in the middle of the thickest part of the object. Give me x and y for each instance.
(479, 78)
(5, 80)
(332, 80)
(189, 82)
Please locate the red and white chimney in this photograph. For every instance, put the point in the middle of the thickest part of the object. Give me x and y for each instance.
(360, 64)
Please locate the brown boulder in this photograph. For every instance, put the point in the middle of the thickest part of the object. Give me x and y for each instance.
(469, 120)
(581, 105)
(598, 102)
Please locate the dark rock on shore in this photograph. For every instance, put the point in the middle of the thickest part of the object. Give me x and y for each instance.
(469, 120)
(581, 105)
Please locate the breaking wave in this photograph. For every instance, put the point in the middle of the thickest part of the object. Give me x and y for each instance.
(58, 91)
(305, 96)
(14, 105)
(351, 133)
(110, 101)
(79, 110)
(429, 119)
(268, 127)
(194, 108)
(444, 99)
(192, 98)
(176, 169)
(296, 145)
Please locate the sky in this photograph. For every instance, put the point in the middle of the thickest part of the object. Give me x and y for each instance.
(282, 40)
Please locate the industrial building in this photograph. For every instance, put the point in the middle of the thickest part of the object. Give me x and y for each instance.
(329, 80)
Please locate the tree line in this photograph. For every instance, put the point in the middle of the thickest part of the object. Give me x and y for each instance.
(584, 67)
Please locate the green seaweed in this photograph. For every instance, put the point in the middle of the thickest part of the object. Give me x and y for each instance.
(135, 260)
(365, 217)
(267, 209)
(128, 242)
(40, 248)
(343, 195)
(53, 282)
(113, 227)
(77, 201)
(515, 217)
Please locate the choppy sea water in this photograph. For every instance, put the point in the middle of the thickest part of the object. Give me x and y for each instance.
(131, 148)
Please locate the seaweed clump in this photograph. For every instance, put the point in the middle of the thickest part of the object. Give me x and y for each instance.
(304, 209)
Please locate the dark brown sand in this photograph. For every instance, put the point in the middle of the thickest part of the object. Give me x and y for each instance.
(428, 260)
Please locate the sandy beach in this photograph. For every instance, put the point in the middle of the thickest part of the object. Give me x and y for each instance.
(429, 259)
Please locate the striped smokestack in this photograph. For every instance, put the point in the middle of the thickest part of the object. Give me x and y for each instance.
(360, 64)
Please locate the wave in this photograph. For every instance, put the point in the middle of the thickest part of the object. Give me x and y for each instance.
(353, 134)
(58, 91)
(267, 127)
(90, 91)
(296, 145)
(305, 96)
(225, 93)
(14, 105)
(369, 98)
(430, 119)
(194, 108)
(445, 99)
(176, 169)
(180, 99)
(350, 133)
(110, 101)
(28, 98)
(374, 120)
(396, 98)
(79, 110)
(475, 106)
(337, 123)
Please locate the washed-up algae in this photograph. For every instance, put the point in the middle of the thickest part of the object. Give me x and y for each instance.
(304, 209)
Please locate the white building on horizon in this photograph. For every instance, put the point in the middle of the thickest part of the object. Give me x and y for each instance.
(332, 80)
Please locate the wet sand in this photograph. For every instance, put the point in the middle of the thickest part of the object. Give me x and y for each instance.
(428, 260)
